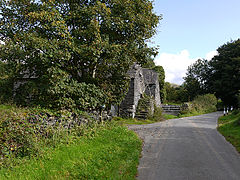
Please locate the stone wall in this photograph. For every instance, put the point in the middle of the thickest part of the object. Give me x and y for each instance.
(151, 82)
(142, 81)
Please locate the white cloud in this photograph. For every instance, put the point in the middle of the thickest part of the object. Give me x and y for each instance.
(175, 65)
(210, 55)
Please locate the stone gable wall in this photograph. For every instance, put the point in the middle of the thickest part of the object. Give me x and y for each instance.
(142, 81)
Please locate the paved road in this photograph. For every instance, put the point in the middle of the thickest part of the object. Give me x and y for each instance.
(186, 149)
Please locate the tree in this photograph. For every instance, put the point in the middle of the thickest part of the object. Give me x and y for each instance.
(92, 42)
(175, 93)
(197, 78)
(225, 76)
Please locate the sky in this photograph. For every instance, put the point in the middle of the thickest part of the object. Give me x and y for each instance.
(192, 29)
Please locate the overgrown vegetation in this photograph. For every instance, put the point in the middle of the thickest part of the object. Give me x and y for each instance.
(175, 94)
(24, 131)
(201, 104)
(68, 57)
(220, 75)
(146, 104)
(75, 53)
(229, 127)
(31, 149)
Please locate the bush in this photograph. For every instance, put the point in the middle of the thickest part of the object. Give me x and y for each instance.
(220, 105)
(201, 104)
(205, 103)
(58, 90)
(6, 82)
(6, 87)
(144, 104)
(27, 132)
(157, 115)
(17, 137)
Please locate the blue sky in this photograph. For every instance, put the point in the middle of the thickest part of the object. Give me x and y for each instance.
(192, 29)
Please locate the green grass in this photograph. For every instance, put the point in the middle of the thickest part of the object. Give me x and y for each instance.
(169, 116)
(129, 121)
(193, 113)
(173, 103)
(113, 153)
(123, 121)
(229, 127)
(4, 107)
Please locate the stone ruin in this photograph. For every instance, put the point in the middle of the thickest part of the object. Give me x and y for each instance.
(142, 81)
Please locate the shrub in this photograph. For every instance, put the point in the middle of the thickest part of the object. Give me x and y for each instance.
(17, 137)
(27, 132)
(144, 104)
(220, 105)
(201, 104)
(6, 87)
(58, 90)
(205, 103)
(157, 114)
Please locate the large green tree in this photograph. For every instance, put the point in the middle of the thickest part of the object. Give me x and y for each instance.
(80, 44)
(197, 78)
(225, 75)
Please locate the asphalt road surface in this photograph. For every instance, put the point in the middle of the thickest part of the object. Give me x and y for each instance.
(186, 149)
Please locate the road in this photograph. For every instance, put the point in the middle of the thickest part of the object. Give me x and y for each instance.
(186, 149)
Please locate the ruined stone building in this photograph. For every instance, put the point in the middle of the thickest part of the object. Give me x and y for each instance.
(142, 81)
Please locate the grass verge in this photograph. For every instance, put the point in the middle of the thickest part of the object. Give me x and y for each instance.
(229, 127)
(112, 153)
(90, 151)
(124, 121)
(169, 116)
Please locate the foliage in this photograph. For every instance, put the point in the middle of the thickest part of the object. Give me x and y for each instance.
(6, 86)
(75, 95)
(91, 42)
(219, 75)
(154, 113)
(220, 105)
(225, 73)
(112, 152)
(229, 126)
(206, 102)
(196, 78)
(25, 132)
(175, 94)
(20, 133)
(157, 114)
(161, 79)
(201, 104)
(144, 103)
(17, 136)
(6, 82)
